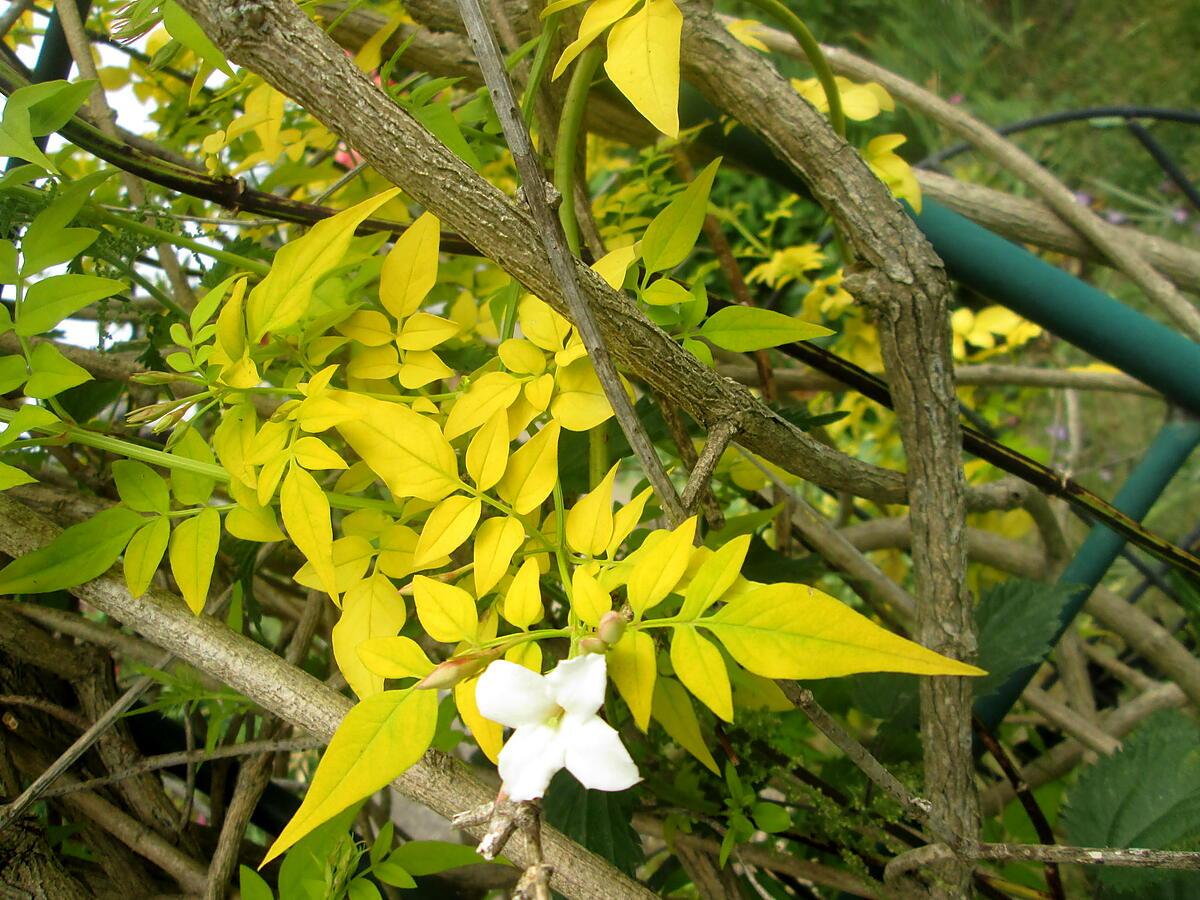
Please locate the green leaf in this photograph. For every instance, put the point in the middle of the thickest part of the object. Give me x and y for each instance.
(48, 241)
(252, 886)
(601, 821)
(79, 554)
(361, 889)
(378, 740)
(393, 873)
(27, 418)
(674, 712)
(770, 817)
(194, 544)
(189, 488)
(745, 328)
(665, 292)
(421, 858)
(1017, 621)
(140, 487)
(13, 373)
(1145, 795)
(673, 233)
(52, 103)
(53, 299)
(145, 553)
(52, 372)
(11, 476)
(184, 29)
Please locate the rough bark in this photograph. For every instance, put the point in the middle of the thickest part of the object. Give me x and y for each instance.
(905, 285)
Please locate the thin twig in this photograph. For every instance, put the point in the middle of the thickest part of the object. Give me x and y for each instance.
(1028, 802)
(718, 439)
(43, 705)
(563, 264)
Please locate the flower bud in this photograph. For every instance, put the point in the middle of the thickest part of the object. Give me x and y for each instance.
(592, 644)
(451, 672)
(611, 628)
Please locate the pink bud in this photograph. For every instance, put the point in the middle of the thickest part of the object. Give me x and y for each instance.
(612, 627)
(591, 644)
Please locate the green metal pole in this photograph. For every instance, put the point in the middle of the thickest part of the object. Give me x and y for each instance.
(1169, 451)
(1010, 275)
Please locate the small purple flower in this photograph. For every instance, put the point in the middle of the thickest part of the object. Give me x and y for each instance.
(1179, 215)
(1083, 198)
(1058, 432)
(956, 99)
(1113, 217)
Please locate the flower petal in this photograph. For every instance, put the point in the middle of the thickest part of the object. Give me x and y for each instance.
(529, 760)
(513, 696)
(578, 684)
(596, 756)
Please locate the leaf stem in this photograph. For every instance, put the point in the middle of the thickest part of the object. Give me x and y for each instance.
(812, 50)
(570, 124)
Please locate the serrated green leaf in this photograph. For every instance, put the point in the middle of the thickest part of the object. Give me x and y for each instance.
(602, 821)
(745, 328)
(80, 553)
(1145, 795)
(1017, 620)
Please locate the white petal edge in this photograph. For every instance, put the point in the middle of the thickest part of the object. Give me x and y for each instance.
(596, 756)
(529, 760)
(513, 696)
(578, 684)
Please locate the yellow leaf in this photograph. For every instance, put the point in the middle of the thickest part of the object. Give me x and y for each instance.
(631, 666)
(673, 711)
(374, 363)
(487, 395)
(532, 471)
(232, 440)
(488, 735)
(251, 522)
(406, 450)
(305, 511)
(599, 16)
(487, 454)
(699, 665)
(193, 554)
(522, 357)
(495, 543)
(351, 559)
(523, 602)
(626, 519)
(714, 578)
(447, 527)
(424, 331)
(420, 367)
(643, 62)
(283, 296)
(369, 327)
(614, 264)
(144, 552)
(231, 329)
(373, 608)
(541, 324)
(588, 599)
(659, 567)
(410, 269)
(539, 391)
(795, 631)
(447, 613)
(370, 54)
(397, 543)
(314, 453)
(590, 520)
(394, 657)
(528, 654)
(378, 740)
(190, 488)
(747, 32)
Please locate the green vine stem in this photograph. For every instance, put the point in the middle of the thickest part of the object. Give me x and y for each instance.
(537, 71)
(569, 126)
(812, 50)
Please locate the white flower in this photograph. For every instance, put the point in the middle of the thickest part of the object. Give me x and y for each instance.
(556, 726)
